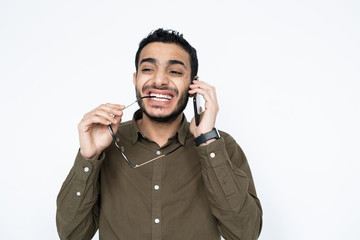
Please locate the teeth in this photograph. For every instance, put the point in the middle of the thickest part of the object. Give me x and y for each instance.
(161, 97)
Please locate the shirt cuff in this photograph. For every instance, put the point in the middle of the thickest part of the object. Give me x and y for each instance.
(214, 154)
(87, 169)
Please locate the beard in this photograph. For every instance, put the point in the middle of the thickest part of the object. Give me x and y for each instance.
(181, 105)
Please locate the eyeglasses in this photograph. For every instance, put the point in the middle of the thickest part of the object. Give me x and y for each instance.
(121, 148)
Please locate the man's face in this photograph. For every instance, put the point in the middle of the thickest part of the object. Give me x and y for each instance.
(164, 72)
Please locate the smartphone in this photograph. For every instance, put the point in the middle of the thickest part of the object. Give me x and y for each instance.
(197, 104)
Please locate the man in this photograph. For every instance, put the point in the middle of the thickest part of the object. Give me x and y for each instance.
(192, 183)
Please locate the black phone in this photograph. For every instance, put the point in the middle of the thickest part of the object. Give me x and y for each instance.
(197, 104)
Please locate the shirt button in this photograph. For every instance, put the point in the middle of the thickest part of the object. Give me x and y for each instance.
(156, 187)
(158, 152)
(157, 220)
(78, 194)
(212, 155)
(86, 169)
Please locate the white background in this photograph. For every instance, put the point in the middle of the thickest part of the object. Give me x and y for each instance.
(287, 77)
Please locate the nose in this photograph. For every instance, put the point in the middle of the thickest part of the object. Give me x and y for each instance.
(161, 79)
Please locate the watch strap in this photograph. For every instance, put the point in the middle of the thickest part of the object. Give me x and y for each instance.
(203, 138)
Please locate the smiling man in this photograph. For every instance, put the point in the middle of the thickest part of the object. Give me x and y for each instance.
(159, 176)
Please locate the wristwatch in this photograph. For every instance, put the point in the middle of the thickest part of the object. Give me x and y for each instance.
(203, 138)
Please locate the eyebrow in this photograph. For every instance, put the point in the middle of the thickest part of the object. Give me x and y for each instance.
(150, 60)
(170, 62)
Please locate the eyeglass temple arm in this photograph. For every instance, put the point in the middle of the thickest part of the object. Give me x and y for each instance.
(137, 100)
(163, 155)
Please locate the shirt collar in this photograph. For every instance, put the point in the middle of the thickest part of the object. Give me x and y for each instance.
(135, 131)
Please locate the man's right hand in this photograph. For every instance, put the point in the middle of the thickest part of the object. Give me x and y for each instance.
(93, 129)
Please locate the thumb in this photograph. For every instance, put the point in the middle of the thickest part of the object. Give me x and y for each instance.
(192, 125)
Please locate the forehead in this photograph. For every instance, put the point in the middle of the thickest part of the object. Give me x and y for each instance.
(165, 52)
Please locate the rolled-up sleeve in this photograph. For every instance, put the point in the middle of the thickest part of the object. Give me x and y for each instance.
(231, 190)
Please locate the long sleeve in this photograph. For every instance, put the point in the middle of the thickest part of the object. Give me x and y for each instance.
(78, 201)
(231, 191)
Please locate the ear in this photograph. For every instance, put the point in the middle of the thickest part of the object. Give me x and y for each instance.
(134, 78)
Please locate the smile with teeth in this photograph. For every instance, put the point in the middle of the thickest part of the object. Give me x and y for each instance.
(160, 97)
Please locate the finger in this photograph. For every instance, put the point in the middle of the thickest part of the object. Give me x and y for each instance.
(208, 94)
(109, 117)
(112, 108)
(86, 124)
(201, 84)
(115, 105)
(108, 107)
(192, 125)
(117, 119)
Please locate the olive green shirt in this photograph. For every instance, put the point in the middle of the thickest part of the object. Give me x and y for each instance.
(193, 193)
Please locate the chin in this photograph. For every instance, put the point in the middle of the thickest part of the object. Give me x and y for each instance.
(163, 118)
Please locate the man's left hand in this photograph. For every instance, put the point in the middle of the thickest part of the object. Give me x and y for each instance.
(208, 116)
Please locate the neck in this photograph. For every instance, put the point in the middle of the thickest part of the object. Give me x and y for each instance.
(159, 132)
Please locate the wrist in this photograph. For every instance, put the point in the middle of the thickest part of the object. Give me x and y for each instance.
(202, 131)
(207, 142)
(90, 157)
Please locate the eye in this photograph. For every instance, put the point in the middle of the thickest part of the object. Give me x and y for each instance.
(146, 70)
(176, 73)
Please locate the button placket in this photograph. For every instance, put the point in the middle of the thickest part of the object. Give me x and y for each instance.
(156, 198)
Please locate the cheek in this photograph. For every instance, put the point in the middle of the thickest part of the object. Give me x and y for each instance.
(185, 86)
(140, 82)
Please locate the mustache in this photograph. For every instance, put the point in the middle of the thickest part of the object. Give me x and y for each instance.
(153, 86)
